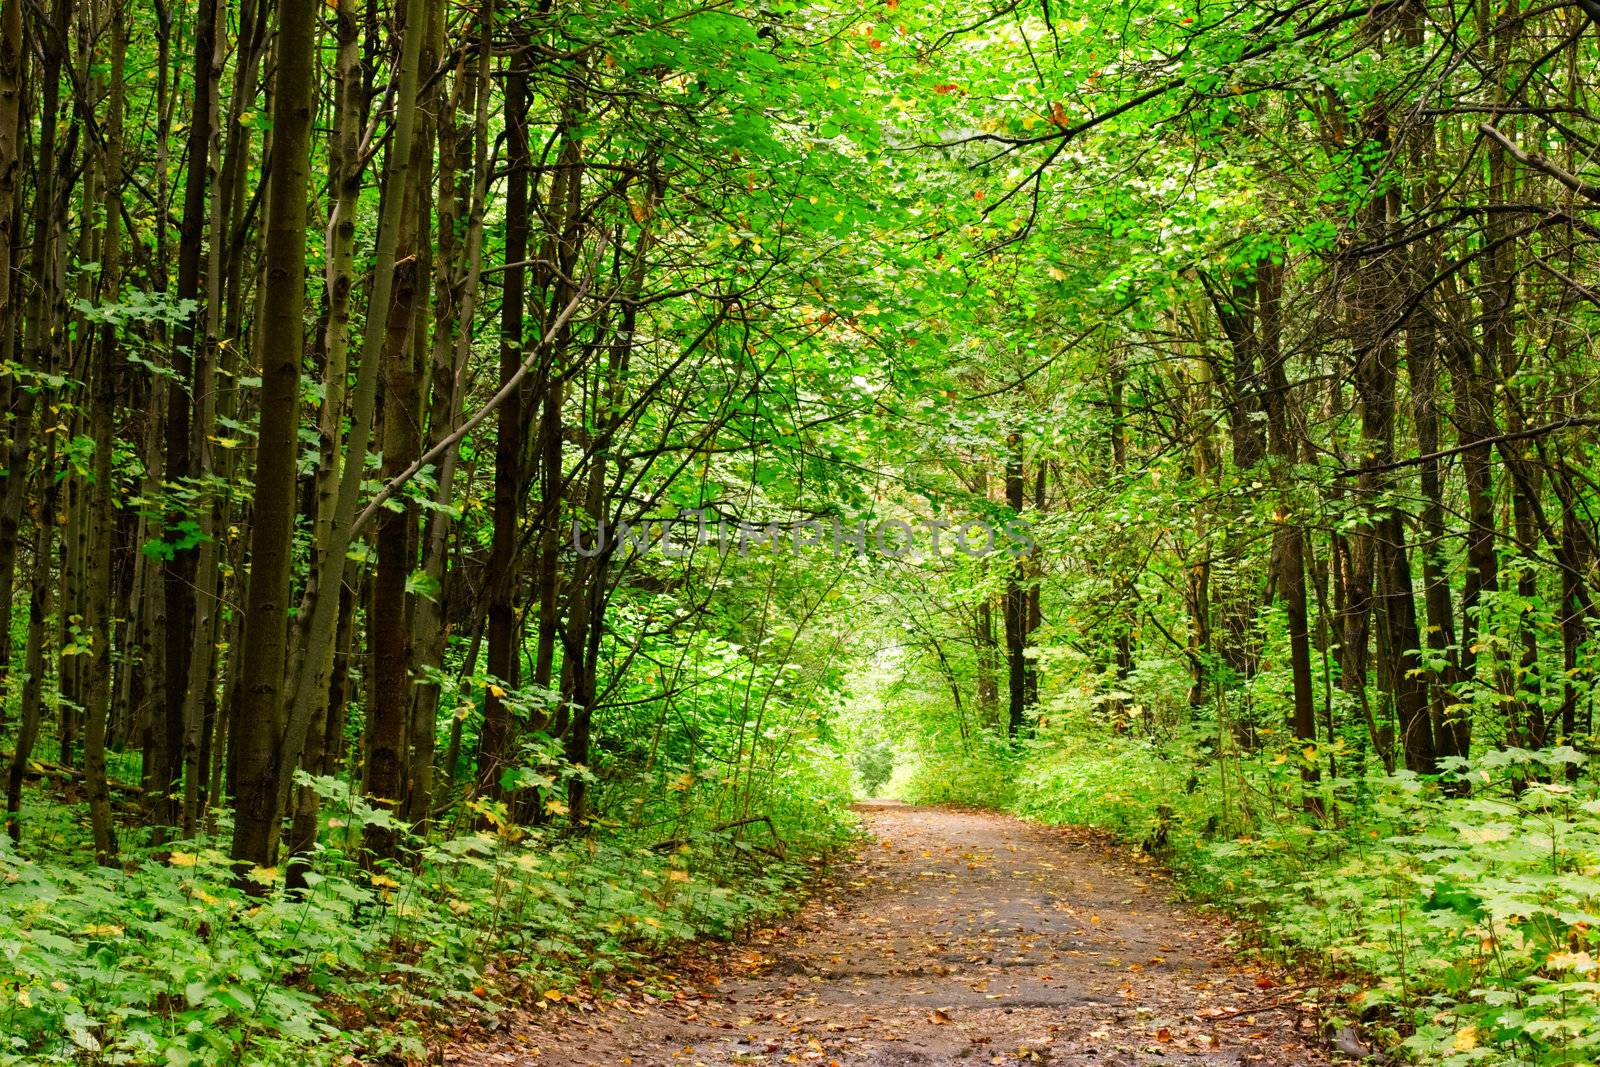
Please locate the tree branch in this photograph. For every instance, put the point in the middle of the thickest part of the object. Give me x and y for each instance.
(395, 484)
(1539, 163)
(1482, 442)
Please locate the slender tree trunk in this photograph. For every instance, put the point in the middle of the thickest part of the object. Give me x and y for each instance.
(180, 568)
(97, 616)
(31, 702)
(1197, 584)
(1016, 600)
(199, 688)
(16, 405)
(495, 740)
(344, 175)
(1500, 348)
(1288, 536)
(389, 630)
(260, 762)
(331, 562)
(1422, 340)
(1236, 310)
(1122, 632)
(450, 365)
(1446, 713)
(1399, 643)
(1575, 609)
(1381, 561)
(11, 112)
(74, 645)
(1034, 615)
(1474, 417)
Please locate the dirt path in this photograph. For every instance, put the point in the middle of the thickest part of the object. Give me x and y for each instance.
(958, 938)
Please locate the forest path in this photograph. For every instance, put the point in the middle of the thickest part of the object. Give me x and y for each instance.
(957, 937)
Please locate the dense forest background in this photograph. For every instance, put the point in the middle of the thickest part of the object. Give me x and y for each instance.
(474, 476)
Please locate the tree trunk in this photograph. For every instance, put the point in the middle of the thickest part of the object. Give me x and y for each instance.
(1382, 568)
(451, 353)
(16, 405)
(199, 689)
(258, 765)
(331, 562)
(344, 177)
(179, 569)
(494, 745)
(103, 388)
(1016, 601)
(1288, 537)
(389, 628)
(31, 700)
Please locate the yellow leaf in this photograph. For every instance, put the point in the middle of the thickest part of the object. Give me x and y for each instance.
(1571, 961)
(553, 994)
(183, 859)
(555, 807)
(678, 876)
(264, 875)
(1467, 1040)
(495, 691)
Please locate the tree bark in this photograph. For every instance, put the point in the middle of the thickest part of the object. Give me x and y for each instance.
(389, 627)
(259, 763)
(332, 561)
(180, 567)
(494, 745)
(451, 353)
(1288, 536)
(344, 176)
(1016, 602)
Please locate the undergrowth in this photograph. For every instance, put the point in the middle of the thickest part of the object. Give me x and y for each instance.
(1455, 916)
(164, 960)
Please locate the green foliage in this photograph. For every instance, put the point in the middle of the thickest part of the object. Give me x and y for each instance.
(899, 260)
(874, 766)
(982, 775)
(1459, 927)
(166, 961)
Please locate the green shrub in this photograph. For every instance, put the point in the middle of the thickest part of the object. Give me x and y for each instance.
(1464, 927)
(983, 776)
(165, 961)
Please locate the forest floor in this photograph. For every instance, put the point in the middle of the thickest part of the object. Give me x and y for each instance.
(954, 937)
